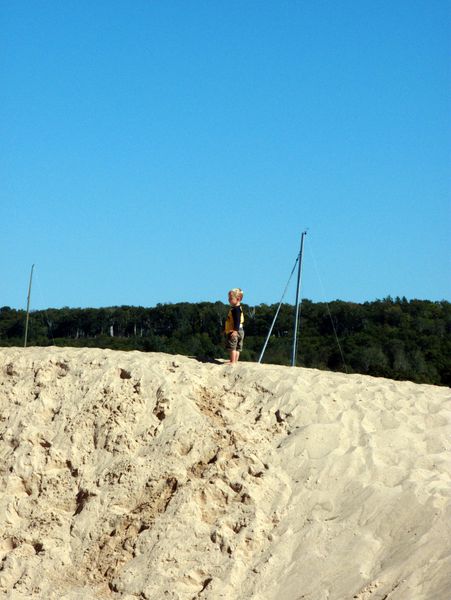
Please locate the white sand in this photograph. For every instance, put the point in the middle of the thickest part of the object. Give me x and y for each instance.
(156, 477)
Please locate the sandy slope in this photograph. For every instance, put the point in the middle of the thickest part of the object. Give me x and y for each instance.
(155, 477)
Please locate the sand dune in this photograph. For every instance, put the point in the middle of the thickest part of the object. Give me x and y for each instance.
(156, 477)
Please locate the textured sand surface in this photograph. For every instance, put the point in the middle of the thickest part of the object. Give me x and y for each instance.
(155, 477)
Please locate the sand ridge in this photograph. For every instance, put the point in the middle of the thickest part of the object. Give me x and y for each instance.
(130, 475)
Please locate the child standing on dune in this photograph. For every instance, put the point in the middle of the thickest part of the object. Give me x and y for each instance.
(234, 325)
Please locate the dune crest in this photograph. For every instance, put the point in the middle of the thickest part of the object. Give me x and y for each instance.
(129, 475)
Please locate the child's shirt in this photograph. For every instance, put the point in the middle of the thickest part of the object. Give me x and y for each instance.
(235, 319)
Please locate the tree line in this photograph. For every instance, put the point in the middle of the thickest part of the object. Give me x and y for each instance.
(393, 338)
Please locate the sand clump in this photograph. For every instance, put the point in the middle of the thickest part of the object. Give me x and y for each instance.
(155, 477)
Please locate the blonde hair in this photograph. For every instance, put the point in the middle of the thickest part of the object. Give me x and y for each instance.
(237, 293)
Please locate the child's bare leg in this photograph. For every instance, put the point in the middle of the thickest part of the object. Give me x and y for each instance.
(233, 358)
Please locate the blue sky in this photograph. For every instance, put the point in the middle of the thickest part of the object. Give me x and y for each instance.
(166, 151)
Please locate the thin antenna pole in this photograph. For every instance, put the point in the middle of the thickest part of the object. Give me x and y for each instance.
(28, 307)
(297, 307)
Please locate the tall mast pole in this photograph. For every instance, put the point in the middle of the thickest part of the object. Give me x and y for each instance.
(28, 308)
(297, 308)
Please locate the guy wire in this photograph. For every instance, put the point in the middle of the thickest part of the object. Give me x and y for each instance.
(277, 312)
(328, 309)
(46, 316)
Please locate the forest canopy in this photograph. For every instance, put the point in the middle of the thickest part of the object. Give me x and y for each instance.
(393, 338)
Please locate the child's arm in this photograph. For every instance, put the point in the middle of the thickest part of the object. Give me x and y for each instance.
(236, 314)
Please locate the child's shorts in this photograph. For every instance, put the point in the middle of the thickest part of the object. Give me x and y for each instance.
(235, 342)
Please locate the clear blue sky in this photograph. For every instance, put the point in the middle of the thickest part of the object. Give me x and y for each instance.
(166, 151)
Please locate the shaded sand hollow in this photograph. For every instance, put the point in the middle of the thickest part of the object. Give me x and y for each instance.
(154, 477)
